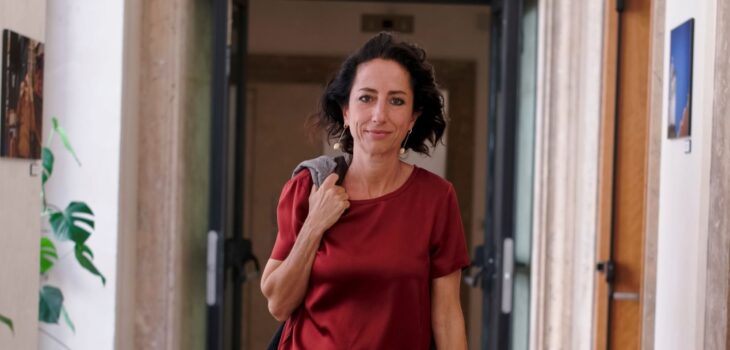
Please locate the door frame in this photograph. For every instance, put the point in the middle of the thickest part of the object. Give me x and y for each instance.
(457, 76)
(501, 133)
(227, 160)
(218, 220)
(622, 215)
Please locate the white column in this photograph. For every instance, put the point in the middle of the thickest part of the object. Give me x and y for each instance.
(83, 90)
(566, 173)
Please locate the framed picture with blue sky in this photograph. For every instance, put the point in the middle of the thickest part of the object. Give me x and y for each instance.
(679, 115)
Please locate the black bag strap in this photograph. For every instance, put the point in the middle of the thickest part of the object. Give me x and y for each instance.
(276, 339)
(340, 169)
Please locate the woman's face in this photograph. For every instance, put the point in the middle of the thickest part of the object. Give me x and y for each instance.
(380, 110)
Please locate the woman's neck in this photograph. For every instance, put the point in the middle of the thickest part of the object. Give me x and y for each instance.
(373, 176)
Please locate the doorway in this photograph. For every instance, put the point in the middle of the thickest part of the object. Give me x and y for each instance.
(286, 58)
(276, 145)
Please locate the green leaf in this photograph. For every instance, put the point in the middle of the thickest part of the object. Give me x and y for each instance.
(48, 159)
(51, 302)
(8, 322)
(65, 224)
(67, 319)
(81, 251)
(48, 254)
(64, 138)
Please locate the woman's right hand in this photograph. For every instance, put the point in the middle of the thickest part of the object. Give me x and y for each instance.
(284, 283)
(327, 203)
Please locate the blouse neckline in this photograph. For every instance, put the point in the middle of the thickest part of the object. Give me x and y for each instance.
(391, 194)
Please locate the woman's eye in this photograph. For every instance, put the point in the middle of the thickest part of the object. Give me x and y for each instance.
(365, 98)
(397, 101)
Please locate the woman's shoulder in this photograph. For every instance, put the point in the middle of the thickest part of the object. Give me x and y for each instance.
(435, 183)
(299, 183)
(302, 177)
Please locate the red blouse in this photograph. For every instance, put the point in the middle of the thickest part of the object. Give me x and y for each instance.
(369, 286)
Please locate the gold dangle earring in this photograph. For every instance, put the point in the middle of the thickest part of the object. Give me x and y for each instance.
(338, 144)
(403, 145)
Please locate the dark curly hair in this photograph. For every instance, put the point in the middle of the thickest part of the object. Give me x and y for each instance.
(428, 100)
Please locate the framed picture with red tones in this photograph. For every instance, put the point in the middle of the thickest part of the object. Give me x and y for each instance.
(21, 93)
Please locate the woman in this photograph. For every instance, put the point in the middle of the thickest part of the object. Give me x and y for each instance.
(376, 262)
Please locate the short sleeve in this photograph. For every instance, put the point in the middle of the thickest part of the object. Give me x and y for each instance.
(290, 213)
(448, 251)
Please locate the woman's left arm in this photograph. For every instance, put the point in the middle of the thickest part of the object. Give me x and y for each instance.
(447, 319)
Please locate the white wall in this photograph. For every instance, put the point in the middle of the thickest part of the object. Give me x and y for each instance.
(20, 208)
(684, 193)
(83, 89)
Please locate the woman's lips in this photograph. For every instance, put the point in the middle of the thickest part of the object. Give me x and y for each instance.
(377, 134)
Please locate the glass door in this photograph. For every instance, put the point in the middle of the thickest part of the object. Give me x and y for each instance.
(229, 258)
(511, 129)
(524, 169)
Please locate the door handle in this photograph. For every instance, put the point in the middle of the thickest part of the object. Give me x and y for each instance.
(474, 275)
(628, 296)
(508, 266)
(211, 295)
(238, 253)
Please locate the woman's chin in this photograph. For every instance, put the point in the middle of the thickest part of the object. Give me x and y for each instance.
(378, 151)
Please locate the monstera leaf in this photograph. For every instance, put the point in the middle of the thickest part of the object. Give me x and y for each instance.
(74, 224)
(64, 138)
(8, 322)
(51, 302)
(48, 254)
(66, 224)
(84, 256)
(47, 164)
(67, 319)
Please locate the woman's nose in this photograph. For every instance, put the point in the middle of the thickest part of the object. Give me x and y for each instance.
(380, 112)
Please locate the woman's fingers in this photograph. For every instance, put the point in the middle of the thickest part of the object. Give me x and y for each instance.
(328, 201)
(330, 181)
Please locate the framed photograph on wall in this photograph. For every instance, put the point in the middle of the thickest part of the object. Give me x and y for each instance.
(21, 96)
(681, 50)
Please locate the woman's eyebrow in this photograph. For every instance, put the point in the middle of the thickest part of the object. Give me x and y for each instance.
(392, 92)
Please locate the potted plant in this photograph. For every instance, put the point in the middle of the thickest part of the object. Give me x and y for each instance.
(72, 227)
